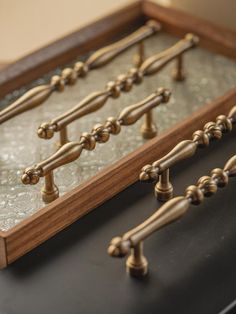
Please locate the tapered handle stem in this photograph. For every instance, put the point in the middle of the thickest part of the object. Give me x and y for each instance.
(106, 54)
(155, 63)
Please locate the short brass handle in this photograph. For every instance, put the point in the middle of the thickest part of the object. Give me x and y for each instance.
(100, 133)
(169, 212)
(38, 95)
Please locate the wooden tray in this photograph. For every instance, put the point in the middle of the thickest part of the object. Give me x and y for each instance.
(110, 181)
(191, 261)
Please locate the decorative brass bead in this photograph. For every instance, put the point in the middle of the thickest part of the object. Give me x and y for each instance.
(69, 75)
(208, 185)
(118, 247)
(214, 130)
(220, 176)
(148, 173)
(31, 176)
(136, 75)
(45, 131)
(58, 83)
(128, 84)
(225, 123)
(81, 69)
(201, 138)
(88, 141)
(165, 93)
(193, 38)
(101, 133)
(113, 125)
(113, 89)
(195, 194)
(125, 82)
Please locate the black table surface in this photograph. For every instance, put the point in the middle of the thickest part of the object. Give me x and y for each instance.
(192, 261)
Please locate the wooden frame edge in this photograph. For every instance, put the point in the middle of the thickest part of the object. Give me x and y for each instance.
(70, 207)
(3, 251)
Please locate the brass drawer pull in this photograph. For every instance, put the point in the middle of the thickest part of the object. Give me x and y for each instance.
(38, 95)
(113, 89)
(100, 133)
(132, 241)
(159, 170)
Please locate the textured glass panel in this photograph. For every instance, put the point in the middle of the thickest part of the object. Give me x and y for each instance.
(208, 76)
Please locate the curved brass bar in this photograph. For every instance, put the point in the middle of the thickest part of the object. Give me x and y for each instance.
(38, 95)
(159, 170)
(100, 134)
(169, 212)
(113, 89)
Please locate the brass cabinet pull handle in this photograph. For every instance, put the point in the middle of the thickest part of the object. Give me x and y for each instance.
(132, 241)
(113, 89)
(159, 170)
(100, 133)
(38, 95)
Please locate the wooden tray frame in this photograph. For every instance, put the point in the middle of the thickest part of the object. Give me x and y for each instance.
(64, 211)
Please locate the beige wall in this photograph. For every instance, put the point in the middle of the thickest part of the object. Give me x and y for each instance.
(26, 25)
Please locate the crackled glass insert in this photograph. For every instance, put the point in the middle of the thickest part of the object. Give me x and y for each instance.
(20, 146)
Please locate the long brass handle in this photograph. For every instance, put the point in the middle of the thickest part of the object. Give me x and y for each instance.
(38, 95)
(159, 170)
(113, 89)
(172, 210)
(100, 133)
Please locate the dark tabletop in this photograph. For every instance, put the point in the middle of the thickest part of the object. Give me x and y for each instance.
(192, 261)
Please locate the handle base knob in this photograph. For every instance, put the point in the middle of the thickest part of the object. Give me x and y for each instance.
(163, 193)
(148, 131)
(137, 268)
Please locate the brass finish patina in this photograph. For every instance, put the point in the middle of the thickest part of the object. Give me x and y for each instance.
(100, 134)
(132, 241)
(159, 170)
(38, 95)
(123, 83)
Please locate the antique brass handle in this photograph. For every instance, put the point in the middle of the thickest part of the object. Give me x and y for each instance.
(113, 89)
(159, 170)
(132, 241)
(100, 134)
(38, 95)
